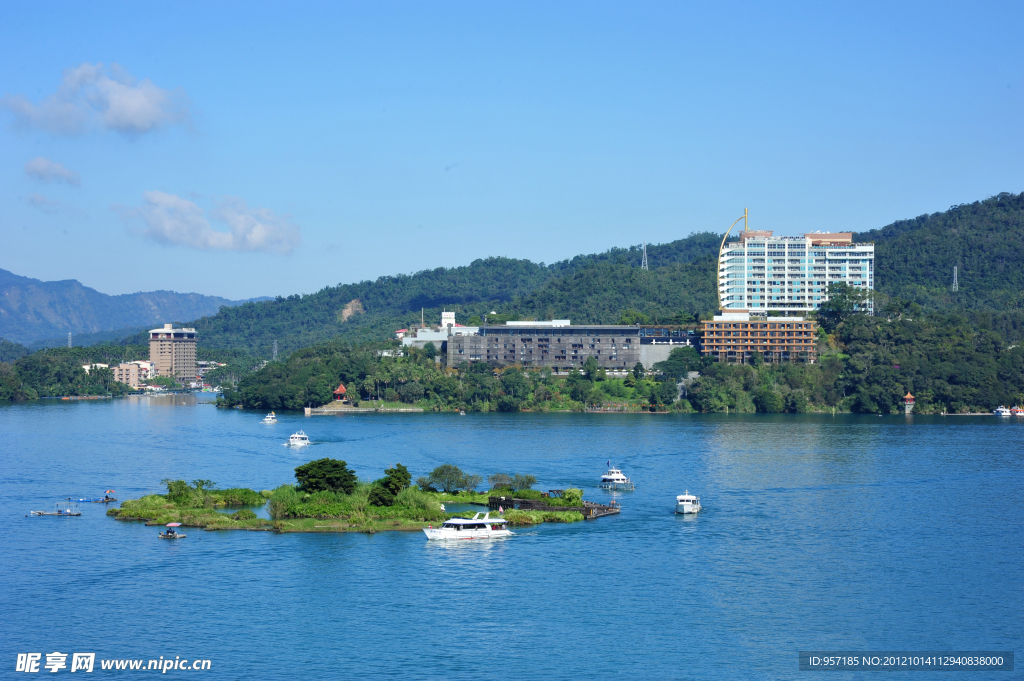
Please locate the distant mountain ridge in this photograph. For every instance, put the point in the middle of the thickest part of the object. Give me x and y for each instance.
(32, 310)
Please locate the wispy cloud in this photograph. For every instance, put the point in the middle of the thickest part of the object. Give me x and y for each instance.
(172, 220)
(45, 170)
(93, 96)
(44, 203)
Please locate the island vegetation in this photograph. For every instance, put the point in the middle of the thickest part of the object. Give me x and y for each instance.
(328, 496)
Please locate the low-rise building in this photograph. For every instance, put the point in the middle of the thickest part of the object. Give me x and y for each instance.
(737, 336)
(438, 335)
(560, 346)
(128, 373)
(89, 367)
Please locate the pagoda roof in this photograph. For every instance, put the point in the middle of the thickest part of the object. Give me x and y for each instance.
(341, 389)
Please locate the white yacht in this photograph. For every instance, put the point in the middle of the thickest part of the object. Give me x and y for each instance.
(298, 439)
(614, 479)
(1002, 411)
(687, 503)
(270, 418)
(473, 528)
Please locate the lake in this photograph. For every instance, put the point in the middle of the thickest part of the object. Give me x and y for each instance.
(819, 532)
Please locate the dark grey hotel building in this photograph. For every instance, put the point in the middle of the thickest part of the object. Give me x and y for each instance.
(566, 347)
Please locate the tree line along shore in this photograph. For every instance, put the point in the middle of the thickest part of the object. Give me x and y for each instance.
(952, 362)
(328, 497)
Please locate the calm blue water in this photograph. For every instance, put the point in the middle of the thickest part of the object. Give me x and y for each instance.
(820, 532)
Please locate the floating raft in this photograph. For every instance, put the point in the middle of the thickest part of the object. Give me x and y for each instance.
(95, 500)
(589, 509)
(63, 509)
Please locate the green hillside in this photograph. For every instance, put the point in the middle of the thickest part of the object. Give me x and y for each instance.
(372, 310)
(914, 261)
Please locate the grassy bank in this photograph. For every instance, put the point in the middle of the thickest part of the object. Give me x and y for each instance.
(157, 509)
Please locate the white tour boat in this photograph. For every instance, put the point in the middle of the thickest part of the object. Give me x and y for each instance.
(687, 503)
(614, 479)
(270, 418)
(1002, 411)
(298, 439)
(470, 528)
(1017, 411)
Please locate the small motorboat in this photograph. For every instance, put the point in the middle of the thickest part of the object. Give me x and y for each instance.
(61, 508)
(270, 418)
(462, 413)
(470, 528)
(170, 533)
(1002, 411)
(105, 499)
(299, 439)
(687, 503)
(614, 479)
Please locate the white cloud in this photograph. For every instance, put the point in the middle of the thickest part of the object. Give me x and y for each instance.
(170, 219)
(91, 96)
(44, 203)
(45, 170)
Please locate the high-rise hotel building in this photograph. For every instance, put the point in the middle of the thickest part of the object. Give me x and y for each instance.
(173, 353)
(759, 273)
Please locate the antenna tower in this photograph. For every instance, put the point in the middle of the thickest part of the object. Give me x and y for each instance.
(956, 285)
(275, 351)
(643, 265)
(69, 339)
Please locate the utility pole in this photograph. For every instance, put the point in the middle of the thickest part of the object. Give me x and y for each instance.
(956, 285)
(643, 265)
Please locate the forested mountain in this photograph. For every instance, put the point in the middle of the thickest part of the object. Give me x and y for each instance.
(33, 310)
(589, 288)
(914, 259)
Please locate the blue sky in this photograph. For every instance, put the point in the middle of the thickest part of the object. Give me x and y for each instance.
(244, 149)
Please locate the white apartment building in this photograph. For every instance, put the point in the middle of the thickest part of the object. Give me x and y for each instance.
(760, 272)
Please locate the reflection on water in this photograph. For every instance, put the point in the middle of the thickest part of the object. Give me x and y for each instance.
(817, 532)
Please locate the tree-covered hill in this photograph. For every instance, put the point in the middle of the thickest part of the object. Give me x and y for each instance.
(601, 292)
(371, 310)
(914, 259)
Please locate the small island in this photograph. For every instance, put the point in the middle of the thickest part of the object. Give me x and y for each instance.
(328, 497)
